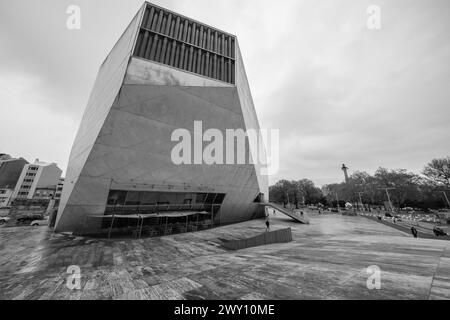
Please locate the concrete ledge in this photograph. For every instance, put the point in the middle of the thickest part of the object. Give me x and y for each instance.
(278, 236)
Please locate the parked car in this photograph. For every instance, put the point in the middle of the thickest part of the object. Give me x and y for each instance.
(4, 220)
(26, 219)
(37, 223)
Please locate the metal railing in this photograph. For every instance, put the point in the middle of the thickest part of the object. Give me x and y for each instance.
(151, 220)
(159, 208)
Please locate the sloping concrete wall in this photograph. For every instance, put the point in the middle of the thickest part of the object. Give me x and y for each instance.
(250, 117)
(278, 236)
(106, 88)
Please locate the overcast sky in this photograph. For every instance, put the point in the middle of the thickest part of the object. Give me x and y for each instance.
(338, 91)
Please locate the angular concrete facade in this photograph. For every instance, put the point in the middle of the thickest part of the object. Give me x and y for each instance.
(124, 140)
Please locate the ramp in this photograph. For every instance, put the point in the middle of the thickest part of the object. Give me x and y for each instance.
(278, 236)
(289, 213)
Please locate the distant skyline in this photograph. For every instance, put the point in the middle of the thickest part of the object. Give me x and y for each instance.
(338, 92)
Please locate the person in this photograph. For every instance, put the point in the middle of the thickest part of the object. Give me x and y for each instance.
(274, 212)
(439, 232)
(301, 213)
(267, 225)
(414, 232)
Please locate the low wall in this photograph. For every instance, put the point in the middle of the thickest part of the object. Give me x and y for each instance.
(278, 236)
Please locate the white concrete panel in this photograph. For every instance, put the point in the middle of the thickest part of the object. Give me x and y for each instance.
(147, 72)
(226, 98)
(178, 108)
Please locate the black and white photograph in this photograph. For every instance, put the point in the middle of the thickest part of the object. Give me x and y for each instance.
(224, 156)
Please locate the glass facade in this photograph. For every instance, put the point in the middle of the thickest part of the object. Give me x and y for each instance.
(160, 213)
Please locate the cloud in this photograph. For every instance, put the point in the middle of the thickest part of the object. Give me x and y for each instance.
(337, 91)
(27, 127)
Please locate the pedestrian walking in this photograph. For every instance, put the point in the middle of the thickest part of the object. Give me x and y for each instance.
(267, 225)
(414, 232)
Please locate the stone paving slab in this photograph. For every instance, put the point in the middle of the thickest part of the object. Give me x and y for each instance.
(326, 260)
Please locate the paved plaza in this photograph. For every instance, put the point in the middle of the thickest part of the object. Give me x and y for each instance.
(327, 259)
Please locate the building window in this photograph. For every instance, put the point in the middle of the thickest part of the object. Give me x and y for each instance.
(148, 198)
(185, 44)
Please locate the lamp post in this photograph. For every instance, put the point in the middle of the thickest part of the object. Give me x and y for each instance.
(389, 198)
(337, 199)
(360, 198)
(446, 198)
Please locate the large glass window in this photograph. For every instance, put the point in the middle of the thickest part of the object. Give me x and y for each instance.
(117, 198)
(175, 200)
(132, 198)
(170, 39)
(160, 213)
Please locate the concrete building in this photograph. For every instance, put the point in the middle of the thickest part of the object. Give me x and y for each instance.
(46, 193)
(59, 189)
(10, 171)
(165, 72)
(5, 197)
(54, 198)
(36, 178)
(4, 156)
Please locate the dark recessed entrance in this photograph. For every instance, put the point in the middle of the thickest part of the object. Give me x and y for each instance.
(153, 214)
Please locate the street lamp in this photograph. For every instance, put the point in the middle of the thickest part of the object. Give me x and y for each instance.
(446, 198)
(360, 199)
(389, 198)
(337, 199)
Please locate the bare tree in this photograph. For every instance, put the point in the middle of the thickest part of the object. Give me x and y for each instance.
(438, 171)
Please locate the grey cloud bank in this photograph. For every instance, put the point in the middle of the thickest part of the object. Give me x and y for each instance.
(337, 91)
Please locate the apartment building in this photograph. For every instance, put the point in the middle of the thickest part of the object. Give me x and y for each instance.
(38, 179)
